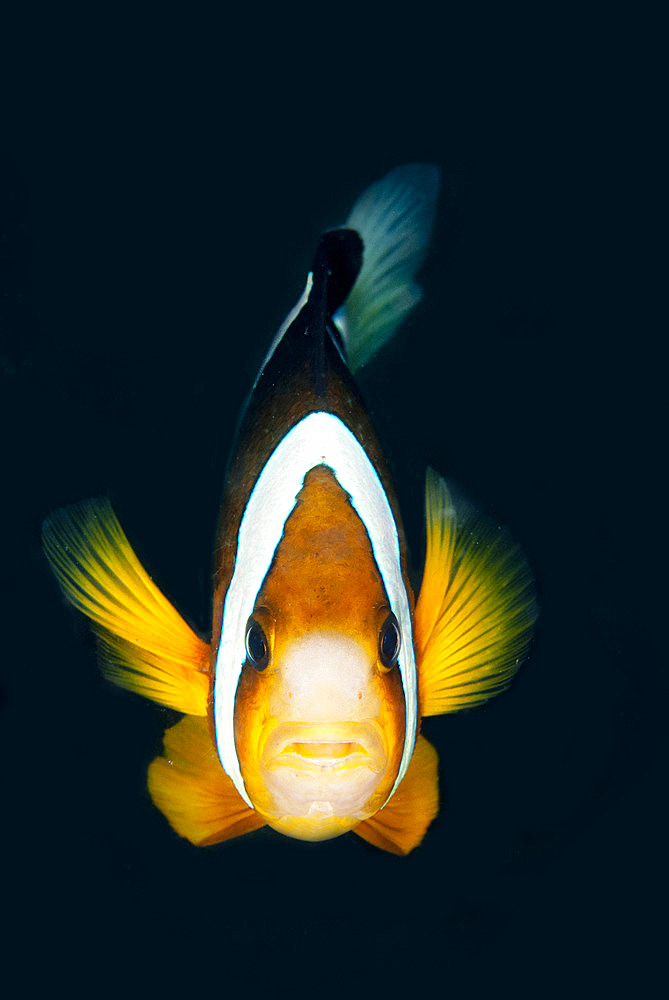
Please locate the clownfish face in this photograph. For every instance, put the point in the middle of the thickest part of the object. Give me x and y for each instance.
(319, 711)
(320, 720)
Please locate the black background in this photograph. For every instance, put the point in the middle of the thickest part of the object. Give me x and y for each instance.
(163, 182)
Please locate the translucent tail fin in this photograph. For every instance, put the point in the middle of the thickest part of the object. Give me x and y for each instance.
(394, 217)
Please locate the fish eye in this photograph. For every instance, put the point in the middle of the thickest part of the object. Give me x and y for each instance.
(257, 647)
(389, 642)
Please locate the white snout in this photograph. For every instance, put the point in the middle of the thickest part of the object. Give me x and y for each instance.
(325, 678)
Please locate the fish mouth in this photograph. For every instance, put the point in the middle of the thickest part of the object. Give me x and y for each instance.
(322, 774)
(328, 747)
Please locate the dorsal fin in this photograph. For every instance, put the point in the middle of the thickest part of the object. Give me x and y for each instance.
(337, 262)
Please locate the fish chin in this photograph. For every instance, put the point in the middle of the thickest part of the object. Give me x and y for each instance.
(322, 780)
(312, 827)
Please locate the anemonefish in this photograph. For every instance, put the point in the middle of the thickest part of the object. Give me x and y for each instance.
(303, 711)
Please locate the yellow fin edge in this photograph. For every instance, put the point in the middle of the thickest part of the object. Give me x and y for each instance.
(144, 643)
(476, 607)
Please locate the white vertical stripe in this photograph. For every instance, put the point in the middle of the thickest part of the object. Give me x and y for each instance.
(318, 439)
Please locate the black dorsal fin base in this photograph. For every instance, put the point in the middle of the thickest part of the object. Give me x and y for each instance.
(336, 266)
(339, 259)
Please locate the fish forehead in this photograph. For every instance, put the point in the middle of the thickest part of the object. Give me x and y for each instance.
(323, 571)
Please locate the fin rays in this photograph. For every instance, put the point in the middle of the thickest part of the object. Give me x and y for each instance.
(401, 825)
(192, 790)
(394, 217)
(144, 644)
(475, 609)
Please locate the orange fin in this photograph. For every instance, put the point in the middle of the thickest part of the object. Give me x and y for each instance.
(475, 610)
(192, 790)
(145, 645)
(402, 823)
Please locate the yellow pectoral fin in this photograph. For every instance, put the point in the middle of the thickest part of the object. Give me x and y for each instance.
(192, 790)
(475, 611)
(402, 823)
(145, 645)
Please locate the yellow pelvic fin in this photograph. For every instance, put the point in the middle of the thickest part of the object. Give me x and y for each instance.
(145, 645)
(402, 823)
(192, 790)
(475, 610)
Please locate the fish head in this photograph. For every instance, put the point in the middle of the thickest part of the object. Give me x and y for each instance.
(319, 723)
(320, 710)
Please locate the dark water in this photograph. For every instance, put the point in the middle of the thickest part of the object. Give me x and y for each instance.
(160, 204)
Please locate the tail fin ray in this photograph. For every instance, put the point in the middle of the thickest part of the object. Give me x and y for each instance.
(394, 217)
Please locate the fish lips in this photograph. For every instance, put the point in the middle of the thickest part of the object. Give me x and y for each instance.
(325, 747)
(335, 766)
